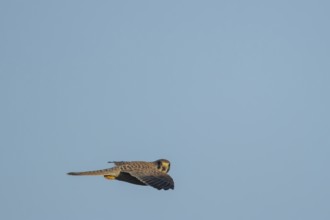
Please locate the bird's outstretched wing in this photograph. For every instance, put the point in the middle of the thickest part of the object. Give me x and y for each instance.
(154, 178)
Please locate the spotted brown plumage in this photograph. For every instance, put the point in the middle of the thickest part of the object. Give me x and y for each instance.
(137, 172)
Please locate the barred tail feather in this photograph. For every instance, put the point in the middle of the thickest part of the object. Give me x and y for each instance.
(91, 173)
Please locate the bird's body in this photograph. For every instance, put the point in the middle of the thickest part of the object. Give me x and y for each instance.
(137, 172)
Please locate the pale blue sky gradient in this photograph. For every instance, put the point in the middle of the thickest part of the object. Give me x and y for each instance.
(234, 93)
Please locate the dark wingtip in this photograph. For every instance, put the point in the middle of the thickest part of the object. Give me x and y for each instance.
(172, 187)
(72, 173)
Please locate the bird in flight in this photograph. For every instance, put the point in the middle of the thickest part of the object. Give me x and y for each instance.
(137, 172)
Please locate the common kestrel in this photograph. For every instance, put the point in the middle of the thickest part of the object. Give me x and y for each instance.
(137, 172)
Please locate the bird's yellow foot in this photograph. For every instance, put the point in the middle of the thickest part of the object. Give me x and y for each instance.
(109, 177)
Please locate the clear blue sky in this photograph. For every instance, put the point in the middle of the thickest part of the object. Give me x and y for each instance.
(236, 94)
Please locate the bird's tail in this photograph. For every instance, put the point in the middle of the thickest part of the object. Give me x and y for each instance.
(92, 173)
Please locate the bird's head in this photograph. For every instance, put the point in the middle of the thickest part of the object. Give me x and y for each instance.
(163, 165)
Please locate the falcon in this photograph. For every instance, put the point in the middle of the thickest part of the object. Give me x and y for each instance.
(136, 172)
